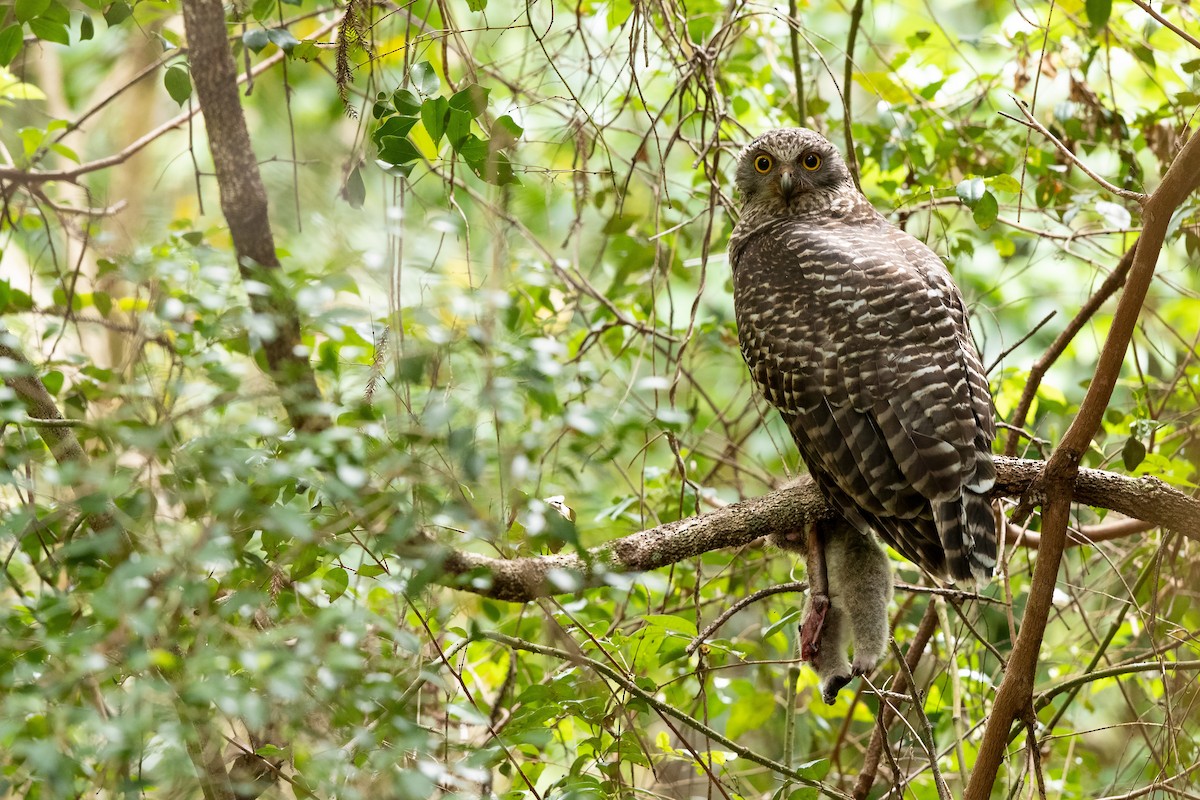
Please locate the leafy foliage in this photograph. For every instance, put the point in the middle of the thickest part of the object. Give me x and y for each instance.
(535, 355)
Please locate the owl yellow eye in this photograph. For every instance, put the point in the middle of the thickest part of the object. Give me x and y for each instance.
(811, 161)
(763, 164)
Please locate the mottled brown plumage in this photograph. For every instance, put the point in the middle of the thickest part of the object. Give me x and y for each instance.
(855, 331)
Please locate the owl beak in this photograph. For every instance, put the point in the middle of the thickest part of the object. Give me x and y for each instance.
(785, 183)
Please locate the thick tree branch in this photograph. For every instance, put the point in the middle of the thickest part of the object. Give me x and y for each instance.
(797, 507)
(1014, 698)
(244, 204)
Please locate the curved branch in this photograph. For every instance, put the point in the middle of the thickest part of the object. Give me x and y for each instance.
(750, 599)
(1115, 671)
(787, 510)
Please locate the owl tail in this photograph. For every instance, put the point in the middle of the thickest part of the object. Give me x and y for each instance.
(967, 528)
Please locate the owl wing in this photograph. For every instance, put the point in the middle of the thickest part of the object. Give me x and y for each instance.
(860, 338)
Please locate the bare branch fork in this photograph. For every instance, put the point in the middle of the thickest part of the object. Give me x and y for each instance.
(782, 511)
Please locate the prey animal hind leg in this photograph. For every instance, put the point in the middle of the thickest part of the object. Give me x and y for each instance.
(850, 586)
(861, 586)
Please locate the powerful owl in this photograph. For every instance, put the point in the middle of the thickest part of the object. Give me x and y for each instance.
(855, 332)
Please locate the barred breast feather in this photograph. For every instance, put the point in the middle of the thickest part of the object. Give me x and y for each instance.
(855, 331)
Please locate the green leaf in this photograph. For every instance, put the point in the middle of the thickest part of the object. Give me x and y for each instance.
(986, 211)
(804, 793)
(393, 126)
(87, 28)
(255, 39)
(13, 300)
(57, 12)
(26, 10)
(424, 78)
(354, 190)
(476, 5)
(750, 710)
(971, 191)
(917, 39)
(117, 13)
(1133, 453)
(1004, 183)
(283, 39)
(1144, 54)
(458, 126)
(672, 623)
(103, 303)
(1098, 12)
(178, 83)
(53, 381)
(397, 150)
(263, 10)
(505, 132)
(396, 170)
(785, 621)
(334, 583)
(306, 563)
(472, 99)
(499, 171)
(10, 44)
(307, 50)
(473, 149)
(50, 31)
(406, 103)
(433, 116)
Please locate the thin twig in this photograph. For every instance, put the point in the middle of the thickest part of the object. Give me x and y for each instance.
(1166, 23)
(633, 688)
(1114, 281)
(927, 740)
(1031, 121)
(1008, 351)
(1044, 698)
(1087, 535)
(750, 599)
(797, 65)
(878, 745)
(847, 90)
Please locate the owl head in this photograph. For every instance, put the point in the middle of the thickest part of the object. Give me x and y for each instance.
(789, 164)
